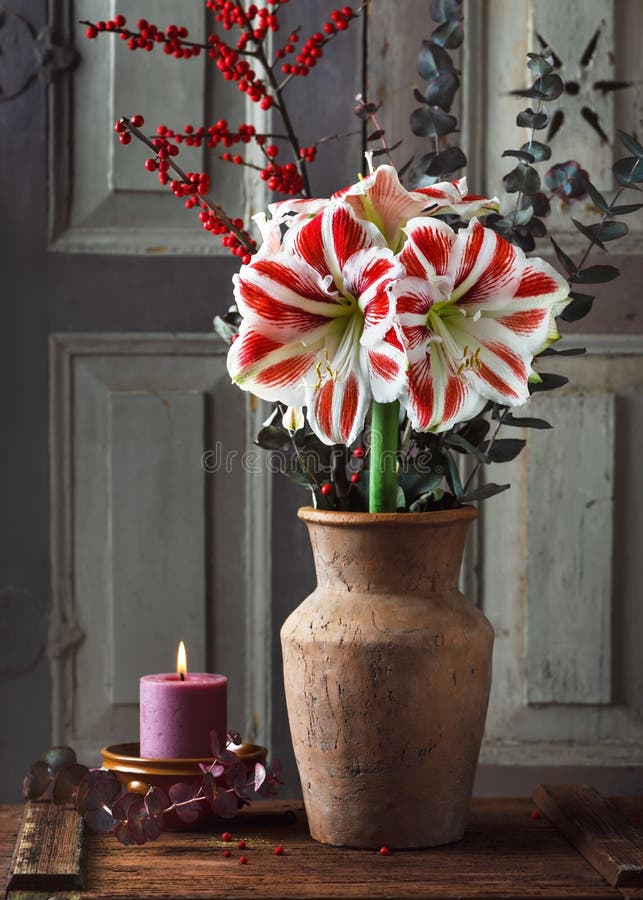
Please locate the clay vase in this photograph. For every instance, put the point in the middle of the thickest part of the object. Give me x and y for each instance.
(387, 670)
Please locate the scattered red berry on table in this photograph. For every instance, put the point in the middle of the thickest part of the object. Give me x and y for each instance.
(226, 836)
(243, 860)
(241, 845)
(279, 850)
(384, 851)
(535, 814)
(227, 853)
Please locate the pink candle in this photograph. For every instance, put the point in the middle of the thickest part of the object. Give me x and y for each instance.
(177, 714)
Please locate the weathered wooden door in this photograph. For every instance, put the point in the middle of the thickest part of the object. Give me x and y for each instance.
(116, 542)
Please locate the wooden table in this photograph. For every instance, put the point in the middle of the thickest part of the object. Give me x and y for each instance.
(505, 853)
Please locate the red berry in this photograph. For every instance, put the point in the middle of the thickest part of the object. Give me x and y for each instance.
(241, 845)
(227, 853)
(279, 850)
(243, 860)
(535, 814)
(119, 21)
(272, 150)
(119, 127)
(329, 28)
(226, 836)
(137, 120)
(326, 488)
(91, 32)
(358, 452)
(151, 165)
(347, 11)
(125, 137)
(355, 477)
(384, 851)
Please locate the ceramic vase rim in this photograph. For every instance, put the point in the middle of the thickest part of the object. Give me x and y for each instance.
(348, 518)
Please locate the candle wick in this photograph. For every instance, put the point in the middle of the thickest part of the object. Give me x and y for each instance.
(182, 676)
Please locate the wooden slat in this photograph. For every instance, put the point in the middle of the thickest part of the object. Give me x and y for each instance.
(47, 854)
(601, 833)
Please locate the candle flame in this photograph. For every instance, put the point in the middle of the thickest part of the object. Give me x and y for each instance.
(181, 660)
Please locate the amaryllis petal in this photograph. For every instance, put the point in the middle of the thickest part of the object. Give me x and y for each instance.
(285, 298)
(270, 236)
(270, 369)
(331, 238)
(439, 397)
(336, 409)
(383, 200)
(428, 247)
(414, 298)
(295, 210)
(452, 197)
(493, 360)
(387, 365)
(293, 419)
(369, 276)
(484, 267)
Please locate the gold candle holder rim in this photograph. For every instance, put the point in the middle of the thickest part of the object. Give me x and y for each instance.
(125, 758)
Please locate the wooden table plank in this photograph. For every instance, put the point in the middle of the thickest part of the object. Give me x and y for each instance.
(604, 836)
(48, 850)
(505, 854)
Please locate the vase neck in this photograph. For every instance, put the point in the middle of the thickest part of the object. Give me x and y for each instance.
(359, 555)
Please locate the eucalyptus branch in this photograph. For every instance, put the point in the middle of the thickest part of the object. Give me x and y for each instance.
(472, 475)
(242, 236)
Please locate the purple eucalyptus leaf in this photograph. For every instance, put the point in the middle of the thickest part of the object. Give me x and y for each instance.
(60, 758)
(209, 786)
(156, 801)
(274, 771)
(37, 780)
(153, 827)
(123, 834)
(225, 805)
(237, 777)
(120, 810)
(260, 775)
(186, 808)
(98, 816)
(67, 781)
(228, 758)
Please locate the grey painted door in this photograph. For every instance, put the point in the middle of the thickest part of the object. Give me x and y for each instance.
(114, 540)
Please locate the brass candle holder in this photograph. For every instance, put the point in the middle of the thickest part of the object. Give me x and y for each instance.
(138, 774)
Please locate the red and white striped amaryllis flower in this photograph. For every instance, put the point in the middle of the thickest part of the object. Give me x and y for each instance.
(381, 198)
(318, 323)
(473, 312)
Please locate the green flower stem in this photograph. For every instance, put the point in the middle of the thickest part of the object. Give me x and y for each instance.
(383, 471)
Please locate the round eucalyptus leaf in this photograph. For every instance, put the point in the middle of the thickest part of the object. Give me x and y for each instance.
(66, 783)
(523, 178)
(527, 118)
(441, 90)
(59, 757)
(538, 150)
(37, 781)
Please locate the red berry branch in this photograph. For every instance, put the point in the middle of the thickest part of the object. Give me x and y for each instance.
(194, 186)
(243, 60)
